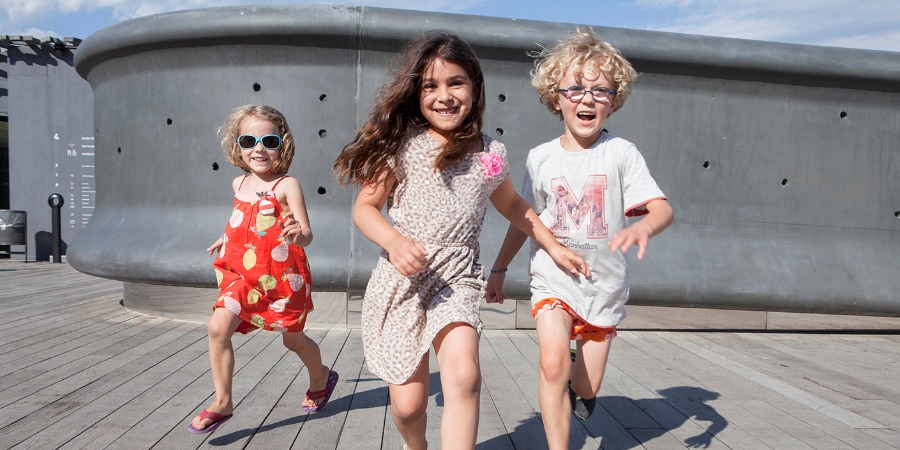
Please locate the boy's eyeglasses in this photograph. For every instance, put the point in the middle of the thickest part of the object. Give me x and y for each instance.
(576, 93)
(249, 141)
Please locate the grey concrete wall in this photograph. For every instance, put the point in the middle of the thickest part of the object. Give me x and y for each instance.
(51, 142)
(780, 160)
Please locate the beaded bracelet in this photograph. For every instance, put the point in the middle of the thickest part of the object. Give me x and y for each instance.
(503, 270)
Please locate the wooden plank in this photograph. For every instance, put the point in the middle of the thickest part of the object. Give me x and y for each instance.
(183, 393)
(84, 369)
(787, 405)
(244, 381)
(322, 429)
(505, 375)
(67, 428)
(365, 422)
(832, 375)
(283, 418)
(849, 418)
(145, 408)
(45, 341)
(109, 378)
(581, 435)
(29, 416)
(668, 372)
(133, 412)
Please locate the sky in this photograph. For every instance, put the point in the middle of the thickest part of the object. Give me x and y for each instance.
(866, 24)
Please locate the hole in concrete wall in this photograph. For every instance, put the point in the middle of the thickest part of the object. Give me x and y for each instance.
(322, 133)
(784, 182)
(168, 121)
(843, 114)
(502, 98)
(706, 165)
(215, 166)
(897, 214)
(322, 97)
(256, 87)
(321, 190)
(119, 150)
(499, 131)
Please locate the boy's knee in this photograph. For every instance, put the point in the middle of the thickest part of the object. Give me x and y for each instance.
(555, 366)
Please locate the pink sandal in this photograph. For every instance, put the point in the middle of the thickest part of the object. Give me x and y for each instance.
(217, 419)
(323, 394)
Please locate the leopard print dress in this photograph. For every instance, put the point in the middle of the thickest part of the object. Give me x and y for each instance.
(443, 211)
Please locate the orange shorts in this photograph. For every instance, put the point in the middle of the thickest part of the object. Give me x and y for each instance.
(581, 330)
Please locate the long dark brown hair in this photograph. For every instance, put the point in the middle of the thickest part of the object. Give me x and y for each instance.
(397, 111)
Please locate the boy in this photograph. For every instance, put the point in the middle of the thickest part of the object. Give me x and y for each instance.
(583, 185)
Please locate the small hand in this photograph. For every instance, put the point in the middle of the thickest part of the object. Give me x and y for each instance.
(215, 246)
(407, 256)
(569, 261)
(290, 228)
(636, 234)
(495, 287)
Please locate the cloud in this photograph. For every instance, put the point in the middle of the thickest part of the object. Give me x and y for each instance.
(867, 23)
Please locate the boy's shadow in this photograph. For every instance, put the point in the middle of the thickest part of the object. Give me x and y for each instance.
(623, 423)
(373, 398)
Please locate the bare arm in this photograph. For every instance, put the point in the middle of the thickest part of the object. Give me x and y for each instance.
(659, 217)
(406, 255)
(513, 241)
(520, 214)
(295, 221)
(235, 183)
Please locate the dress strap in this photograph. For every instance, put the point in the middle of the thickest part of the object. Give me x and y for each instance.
(246, 175)
(276, 183)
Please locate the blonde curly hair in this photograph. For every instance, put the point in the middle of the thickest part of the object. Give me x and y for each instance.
(232, 129)
(581, 50)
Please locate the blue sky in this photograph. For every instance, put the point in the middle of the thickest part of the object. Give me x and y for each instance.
(869, 24)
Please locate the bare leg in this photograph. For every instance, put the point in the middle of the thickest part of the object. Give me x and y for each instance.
(308, 351)
(554, 329)
(456, 347)
(408, 403)
(590, 365)
(221, 362)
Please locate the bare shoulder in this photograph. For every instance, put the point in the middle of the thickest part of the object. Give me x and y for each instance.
(287, 190)
(236, 182)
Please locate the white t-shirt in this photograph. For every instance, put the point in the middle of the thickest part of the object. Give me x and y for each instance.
(584, 197)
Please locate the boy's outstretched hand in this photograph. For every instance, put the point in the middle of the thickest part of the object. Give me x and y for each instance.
(636, 234)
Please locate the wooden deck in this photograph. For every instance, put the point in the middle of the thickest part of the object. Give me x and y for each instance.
(77, 370)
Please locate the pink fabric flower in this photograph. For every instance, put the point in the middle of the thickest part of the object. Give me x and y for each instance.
(492, 163)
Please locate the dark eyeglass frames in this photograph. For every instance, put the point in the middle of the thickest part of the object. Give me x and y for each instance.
(576, 93)
(249, 141)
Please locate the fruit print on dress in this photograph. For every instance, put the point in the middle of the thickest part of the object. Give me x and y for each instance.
(237, 217)
(249, 259)
(280, 253)
(267, 283)
(294, 280)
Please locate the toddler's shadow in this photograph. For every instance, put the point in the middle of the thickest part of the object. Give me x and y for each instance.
(373, 398)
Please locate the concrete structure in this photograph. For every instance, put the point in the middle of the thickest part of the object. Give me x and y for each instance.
(780, 160)
(50, 149)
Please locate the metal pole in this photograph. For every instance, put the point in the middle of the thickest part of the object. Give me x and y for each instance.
(56, 202)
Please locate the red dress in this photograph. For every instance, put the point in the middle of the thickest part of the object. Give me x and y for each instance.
(263, 278)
